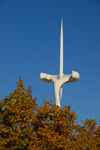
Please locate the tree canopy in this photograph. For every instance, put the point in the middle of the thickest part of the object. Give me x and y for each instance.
(26, 126)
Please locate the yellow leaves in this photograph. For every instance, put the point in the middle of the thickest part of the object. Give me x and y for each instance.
(19, 123)
(29, 126)
(50, 101)
(98, 131)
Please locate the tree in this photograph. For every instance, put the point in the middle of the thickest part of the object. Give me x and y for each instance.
(26, 126)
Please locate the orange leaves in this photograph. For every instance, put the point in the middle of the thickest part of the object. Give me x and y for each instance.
(25, 119)
(24, 124)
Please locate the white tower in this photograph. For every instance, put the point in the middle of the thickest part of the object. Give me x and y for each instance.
(58, 80)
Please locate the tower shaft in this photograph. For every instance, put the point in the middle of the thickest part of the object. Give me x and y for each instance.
(61, 50)
(59, 80)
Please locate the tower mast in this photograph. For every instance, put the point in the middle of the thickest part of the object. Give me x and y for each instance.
(61, 50)
(59, 80)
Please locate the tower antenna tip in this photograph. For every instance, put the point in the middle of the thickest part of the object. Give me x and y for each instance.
(61, 18)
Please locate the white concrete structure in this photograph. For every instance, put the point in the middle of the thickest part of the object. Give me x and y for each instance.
(58, 80)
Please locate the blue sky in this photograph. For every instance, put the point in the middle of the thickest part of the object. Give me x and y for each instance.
(30, 44)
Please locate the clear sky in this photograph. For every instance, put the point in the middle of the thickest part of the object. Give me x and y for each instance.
(30, 44)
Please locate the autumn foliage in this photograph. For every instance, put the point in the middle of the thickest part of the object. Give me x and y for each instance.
(26, 126)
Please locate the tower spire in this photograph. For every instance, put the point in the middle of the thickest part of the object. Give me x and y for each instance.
(61, 56)
(61, 50)
(59, 80)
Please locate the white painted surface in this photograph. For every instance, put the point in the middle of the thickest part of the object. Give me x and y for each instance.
(58, 80)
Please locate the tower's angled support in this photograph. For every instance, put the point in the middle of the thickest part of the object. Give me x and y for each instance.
(58, 80)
